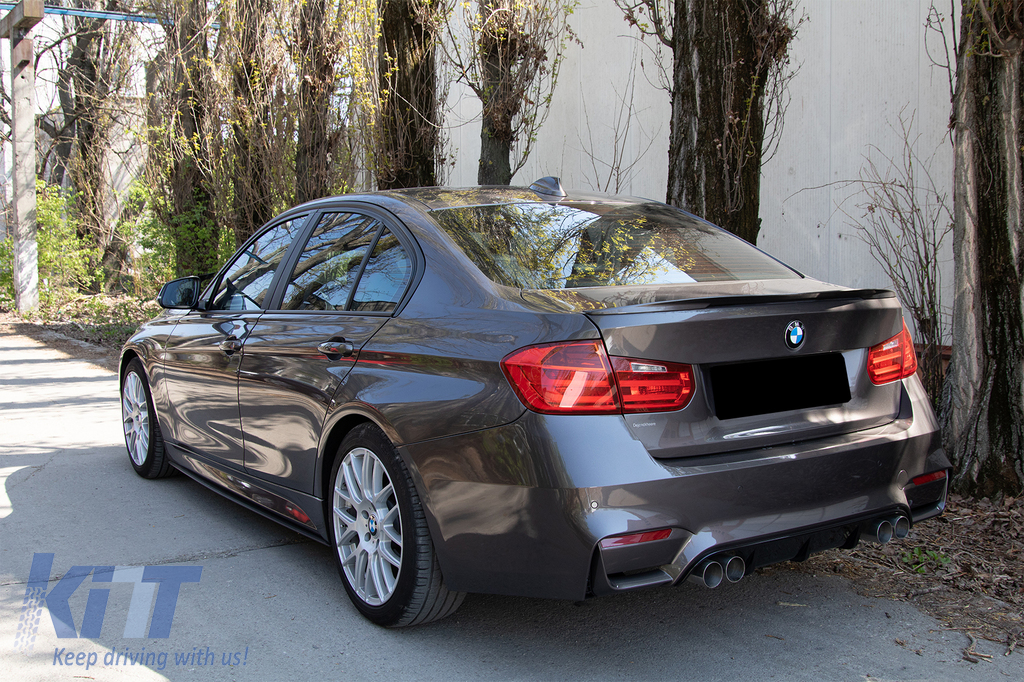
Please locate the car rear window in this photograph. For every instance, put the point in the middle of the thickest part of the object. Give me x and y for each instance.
(536, 245)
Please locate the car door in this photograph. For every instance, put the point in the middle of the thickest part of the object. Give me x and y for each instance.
(349, 278)
(203, 353)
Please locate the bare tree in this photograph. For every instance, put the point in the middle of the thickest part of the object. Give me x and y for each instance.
(905, 220)
(57, 124)
(612, 168)
(237, 131)
(93, 74)
(316, 53)
(251, 127)
(984, 392)
(728, 89)
(511, 62)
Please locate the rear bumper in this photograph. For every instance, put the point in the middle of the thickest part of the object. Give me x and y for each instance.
(521, 509)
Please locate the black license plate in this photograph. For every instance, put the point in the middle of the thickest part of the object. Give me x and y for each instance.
(746, 389)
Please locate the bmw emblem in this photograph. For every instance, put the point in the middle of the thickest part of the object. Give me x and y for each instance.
(795, 334)
(371, 524)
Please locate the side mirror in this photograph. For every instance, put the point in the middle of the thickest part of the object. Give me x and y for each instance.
(179, 293)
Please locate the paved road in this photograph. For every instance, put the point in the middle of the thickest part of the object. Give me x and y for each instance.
(269, 606)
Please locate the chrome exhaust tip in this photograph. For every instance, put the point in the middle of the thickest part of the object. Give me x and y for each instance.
(709, 574)
(735, 569)
(900, 527)
(879, 531)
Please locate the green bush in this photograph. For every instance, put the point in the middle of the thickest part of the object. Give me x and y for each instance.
(924, 561)
(151, 251)
(7, 273)
(64, 259)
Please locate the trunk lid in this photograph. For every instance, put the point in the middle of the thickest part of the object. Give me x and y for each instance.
(752, 387)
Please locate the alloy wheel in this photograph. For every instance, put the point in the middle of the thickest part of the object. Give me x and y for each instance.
(368, 526)
(135, 415)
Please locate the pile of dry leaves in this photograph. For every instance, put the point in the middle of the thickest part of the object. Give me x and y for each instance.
(965, 568)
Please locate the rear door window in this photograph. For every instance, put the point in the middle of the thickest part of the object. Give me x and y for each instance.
(338, 255)
(326, 272)
(385, 276)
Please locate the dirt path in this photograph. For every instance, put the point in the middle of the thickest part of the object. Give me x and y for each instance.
(82, 350)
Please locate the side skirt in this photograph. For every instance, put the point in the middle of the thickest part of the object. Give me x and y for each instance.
(296, 511)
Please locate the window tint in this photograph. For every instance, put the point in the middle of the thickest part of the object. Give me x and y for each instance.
(329, 264)
(249, 276)
(385, 276)
(533, 245)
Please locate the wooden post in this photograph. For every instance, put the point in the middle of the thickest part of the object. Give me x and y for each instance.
(15, 26)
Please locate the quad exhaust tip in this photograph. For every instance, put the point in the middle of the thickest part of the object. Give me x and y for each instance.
(709, 573)
(713, 572)
(735, 569)
(884, 530)
(880, 531)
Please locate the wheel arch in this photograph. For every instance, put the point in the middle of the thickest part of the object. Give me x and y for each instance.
(329, 451)
(127, 355)
(336, 427)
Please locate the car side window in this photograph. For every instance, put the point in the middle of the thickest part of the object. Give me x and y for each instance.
(385, 276)
(326, 271)
(246, 281)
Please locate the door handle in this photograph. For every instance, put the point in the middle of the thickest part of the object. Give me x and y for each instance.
(336, 348)
(231, 345)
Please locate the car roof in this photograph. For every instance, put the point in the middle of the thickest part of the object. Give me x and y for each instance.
(433, 198)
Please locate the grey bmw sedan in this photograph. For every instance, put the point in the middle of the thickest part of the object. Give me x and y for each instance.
(533, 392)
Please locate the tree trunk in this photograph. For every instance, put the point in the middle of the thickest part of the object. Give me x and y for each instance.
(91, 129)
(495, 156)
(316, 84)
(65, 136)
(499, 106)
(983, 400)
(409, 138)
(193, 227)
(251, 126)
(717, 129)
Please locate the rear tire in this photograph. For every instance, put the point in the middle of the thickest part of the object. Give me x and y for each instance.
(141, 430)
(380, 536)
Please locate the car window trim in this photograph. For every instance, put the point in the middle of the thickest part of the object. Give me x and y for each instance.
(387, 220)
(362, 265)
(211, 288)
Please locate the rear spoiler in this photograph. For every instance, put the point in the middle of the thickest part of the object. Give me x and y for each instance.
(727, 301)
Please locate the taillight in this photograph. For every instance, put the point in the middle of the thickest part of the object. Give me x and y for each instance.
(892, 360)
(579, 378)
(563, 377)
(646, 386)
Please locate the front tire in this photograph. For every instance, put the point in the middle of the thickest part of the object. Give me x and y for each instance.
(380, 537)
(141, 431)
